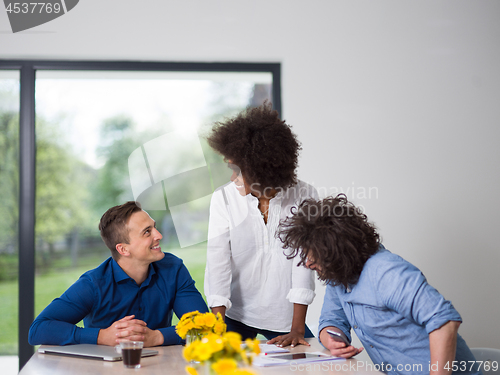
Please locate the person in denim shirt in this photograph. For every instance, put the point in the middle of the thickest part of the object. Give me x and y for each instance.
(406, 326)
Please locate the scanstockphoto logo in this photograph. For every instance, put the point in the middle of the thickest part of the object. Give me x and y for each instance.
(25, 15)
(171, 172)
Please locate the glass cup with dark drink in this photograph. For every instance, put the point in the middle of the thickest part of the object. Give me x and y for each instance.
(131, 353)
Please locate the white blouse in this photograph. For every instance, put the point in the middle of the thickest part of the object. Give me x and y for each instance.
(247, 270)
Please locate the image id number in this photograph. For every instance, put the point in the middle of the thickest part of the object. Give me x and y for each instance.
(33, 8)
(469, 365)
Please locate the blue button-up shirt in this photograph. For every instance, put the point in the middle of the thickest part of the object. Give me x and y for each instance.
(107, 294)
(392, 309)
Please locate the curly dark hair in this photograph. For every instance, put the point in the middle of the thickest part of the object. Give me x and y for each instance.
(261, 145)
(113, 225)
(334, 234)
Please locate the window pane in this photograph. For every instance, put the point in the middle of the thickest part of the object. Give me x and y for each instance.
(107, 137)
(9, 203)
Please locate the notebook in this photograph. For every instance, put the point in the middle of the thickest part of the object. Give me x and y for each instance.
(106, 353)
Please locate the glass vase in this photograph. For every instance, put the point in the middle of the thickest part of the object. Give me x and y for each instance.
(192, 336)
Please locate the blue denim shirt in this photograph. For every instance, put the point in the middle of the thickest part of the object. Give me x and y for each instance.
(106, 294)
(392, 309)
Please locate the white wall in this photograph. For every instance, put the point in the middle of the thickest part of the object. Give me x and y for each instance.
(399, 96)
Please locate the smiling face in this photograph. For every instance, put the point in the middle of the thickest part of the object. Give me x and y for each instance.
(237, 179)
(144, 239)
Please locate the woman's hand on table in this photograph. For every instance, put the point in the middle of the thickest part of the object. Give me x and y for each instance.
(293, 338)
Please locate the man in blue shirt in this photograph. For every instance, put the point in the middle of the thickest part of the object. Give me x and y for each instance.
(406, 326)
(130, 296)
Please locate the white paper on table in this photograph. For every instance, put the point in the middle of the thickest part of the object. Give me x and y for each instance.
(270, 348)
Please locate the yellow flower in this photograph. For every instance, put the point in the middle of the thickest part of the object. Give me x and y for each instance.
(215, 342)
(210, 320)
(219, 327)
(224, 365)
(202, 352)
(222, 350)
(199, 321)
(242, 372)
(183, 329)
(189, 325)
(245, 359)
(182, 332)
(190, 314)
(196, 323)
(233, 340)
(253, 345)
(188, 352)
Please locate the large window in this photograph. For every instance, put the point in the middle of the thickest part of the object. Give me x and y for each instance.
(108, 133)
(9, 207)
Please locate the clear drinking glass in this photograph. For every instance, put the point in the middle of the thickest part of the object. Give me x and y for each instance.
(131, 353)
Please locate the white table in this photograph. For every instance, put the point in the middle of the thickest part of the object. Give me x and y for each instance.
(170, 361)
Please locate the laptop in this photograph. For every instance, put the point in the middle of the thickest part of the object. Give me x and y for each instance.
(103, 352)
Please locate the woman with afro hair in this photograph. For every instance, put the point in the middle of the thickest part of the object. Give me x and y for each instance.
(248, 278)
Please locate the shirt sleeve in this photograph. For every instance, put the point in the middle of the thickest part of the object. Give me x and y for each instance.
(303, 284)
(332, 313)
(218, 270)
(403, 288)
(56, 324)
(187, 299)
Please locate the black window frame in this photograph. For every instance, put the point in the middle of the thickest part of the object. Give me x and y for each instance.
(27, 154)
